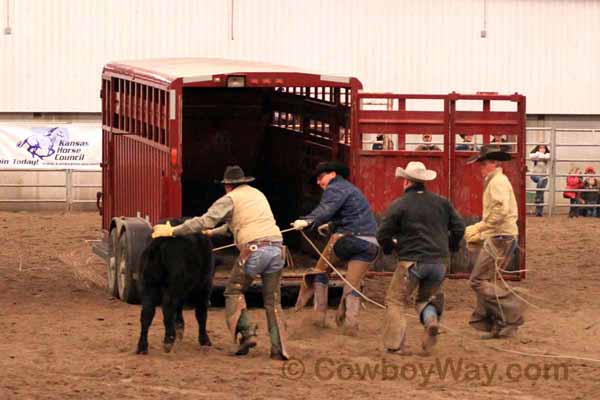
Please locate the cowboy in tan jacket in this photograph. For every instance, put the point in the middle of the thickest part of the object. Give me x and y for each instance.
(245, 212)
(493, 241)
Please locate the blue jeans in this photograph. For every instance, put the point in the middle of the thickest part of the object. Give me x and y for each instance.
(264, 260)
(592, 211)
(352, 248)
(428, 273)
(541, 183)
(429, 277)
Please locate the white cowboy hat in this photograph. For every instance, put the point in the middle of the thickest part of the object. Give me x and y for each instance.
(416, 171)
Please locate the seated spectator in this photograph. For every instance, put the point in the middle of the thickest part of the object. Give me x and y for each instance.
(384, 142)
(593, 197)
(427, 145)
(467, 144)
(379, 144)
(499, 138)
(540, 156)
(574, 181)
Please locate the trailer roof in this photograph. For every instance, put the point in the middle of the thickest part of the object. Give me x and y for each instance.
(167, 70)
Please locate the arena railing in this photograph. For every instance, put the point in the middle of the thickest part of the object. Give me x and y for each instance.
(69, 198)
(556, 178)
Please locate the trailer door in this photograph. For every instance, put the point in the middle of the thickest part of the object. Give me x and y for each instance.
(391, 130)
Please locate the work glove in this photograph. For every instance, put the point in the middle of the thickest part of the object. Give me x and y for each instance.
(472, 234)
(324, 229)
(300, 224)
(162, 230)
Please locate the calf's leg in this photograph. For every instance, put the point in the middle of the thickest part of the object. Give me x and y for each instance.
(179, 322)
(201, 316)
(169, 309)
(150, 299)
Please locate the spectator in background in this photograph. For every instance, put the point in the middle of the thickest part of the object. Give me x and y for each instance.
(574, 181)
(384, 142)
(540, 156)
(499, 138)
(379, 144)
(592, 197)
(467, 144)
(427, 145)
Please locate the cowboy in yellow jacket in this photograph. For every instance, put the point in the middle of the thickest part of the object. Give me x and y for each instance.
(493, 241)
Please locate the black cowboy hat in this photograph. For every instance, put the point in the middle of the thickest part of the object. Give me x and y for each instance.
(330, 166)
(235, 174)
(490, 152)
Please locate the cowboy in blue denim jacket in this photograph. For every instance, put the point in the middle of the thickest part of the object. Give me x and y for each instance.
(345, 213)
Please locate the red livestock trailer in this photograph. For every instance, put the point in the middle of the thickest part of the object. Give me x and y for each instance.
(171, 126)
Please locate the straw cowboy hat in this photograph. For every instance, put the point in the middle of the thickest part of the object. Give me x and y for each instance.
(235, 174)
(490, 152)
(416, 171)
(330, 166)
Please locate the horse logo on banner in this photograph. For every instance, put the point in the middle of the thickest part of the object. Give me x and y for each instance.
(41, 143)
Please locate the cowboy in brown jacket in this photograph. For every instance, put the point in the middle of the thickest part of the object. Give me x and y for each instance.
(492, 242)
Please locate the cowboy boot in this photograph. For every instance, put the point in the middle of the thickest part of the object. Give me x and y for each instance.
(350, 327)
(356, 271)
(247, 332)
(307, 289)
(236, 315)
(430, 335)
(321, 301)
(507, 331)
(493, 333)
(272, 301)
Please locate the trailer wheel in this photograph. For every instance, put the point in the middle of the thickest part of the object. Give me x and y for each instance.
(126, 284)
(111, 266)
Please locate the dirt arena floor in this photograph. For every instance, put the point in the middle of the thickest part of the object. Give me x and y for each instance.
(63, 337)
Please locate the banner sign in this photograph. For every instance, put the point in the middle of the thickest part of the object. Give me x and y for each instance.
(64, 146)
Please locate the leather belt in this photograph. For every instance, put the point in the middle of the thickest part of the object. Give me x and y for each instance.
(255, 245)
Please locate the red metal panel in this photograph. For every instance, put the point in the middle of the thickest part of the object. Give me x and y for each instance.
(138, 162)
(375, 169)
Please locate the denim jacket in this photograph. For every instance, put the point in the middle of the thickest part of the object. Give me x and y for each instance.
(346, 207)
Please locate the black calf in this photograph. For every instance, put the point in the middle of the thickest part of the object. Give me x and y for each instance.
(174, 271)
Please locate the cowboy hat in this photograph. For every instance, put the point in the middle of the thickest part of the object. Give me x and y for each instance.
(416, 171)
(330, 166)
(490, 152)
(235, 174)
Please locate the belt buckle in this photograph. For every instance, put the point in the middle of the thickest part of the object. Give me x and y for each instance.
(253, 247)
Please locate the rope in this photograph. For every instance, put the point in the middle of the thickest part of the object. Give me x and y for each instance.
(339, 273)
(491, 250)
(478, 342)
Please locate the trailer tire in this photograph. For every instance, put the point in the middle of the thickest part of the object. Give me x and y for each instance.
(127, 286)
(111, 265)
